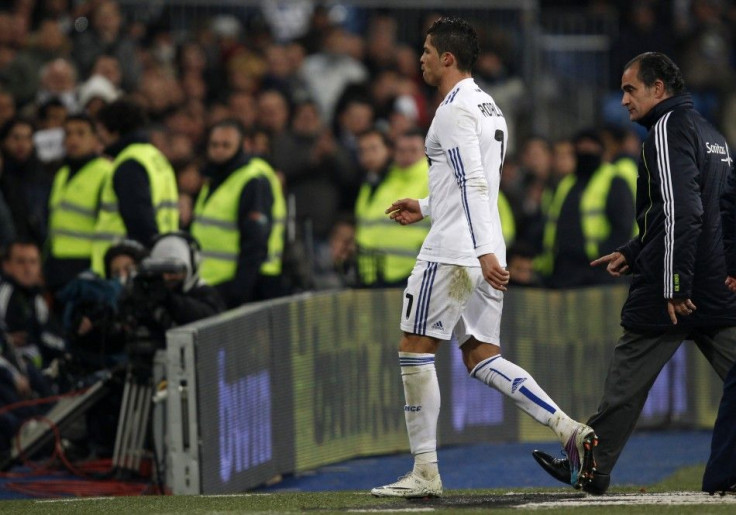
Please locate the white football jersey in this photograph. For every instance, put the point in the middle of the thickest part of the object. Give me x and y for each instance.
(465, 145)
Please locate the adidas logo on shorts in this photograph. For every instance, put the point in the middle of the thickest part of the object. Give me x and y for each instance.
(438, 325)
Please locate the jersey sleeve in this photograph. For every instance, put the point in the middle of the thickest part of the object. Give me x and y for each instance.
(425, 207)
(458, 136)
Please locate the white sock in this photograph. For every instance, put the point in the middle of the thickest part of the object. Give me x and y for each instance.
(514, 382)
(563, 426)
(422, 409)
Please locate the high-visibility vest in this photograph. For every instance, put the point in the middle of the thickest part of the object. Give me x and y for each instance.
(594, 223)
(508, 224)
(215, 224)
(73, 209)
(387, 251)
(627, 169)
(164, 198)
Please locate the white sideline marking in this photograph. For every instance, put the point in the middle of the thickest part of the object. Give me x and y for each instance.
(83, 499)
(669, 498)
(386, 510)
(74, 499)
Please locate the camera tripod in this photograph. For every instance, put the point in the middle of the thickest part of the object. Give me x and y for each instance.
(133, 442)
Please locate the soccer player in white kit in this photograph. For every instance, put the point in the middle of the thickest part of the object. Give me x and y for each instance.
(457, 285)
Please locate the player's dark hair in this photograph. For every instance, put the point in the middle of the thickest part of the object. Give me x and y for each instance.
(122, 117)
(458, 37)
(655, 66)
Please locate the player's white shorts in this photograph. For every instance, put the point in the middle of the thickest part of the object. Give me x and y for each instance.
(442, 299)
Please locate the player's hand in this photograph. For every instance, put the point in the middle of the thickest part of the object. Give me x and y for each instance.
(405, 211)
(493, 272)
(731, 283)
(682, 307)
(615, 262)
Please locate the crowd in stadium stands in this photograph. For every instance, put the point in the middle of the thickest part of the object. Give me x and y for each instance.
(335, 118)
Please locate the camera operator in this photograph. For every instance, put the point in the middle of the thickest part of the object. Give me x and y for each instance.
(96, 339)
(167, 290)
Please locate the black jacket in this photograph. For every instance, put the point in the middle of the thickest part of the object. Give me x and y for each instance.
(131, 185)
(679, 250)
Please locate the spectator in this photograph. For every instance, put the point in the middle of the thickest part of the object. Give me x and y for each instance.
(140, 199)
(23, 183)
(313, 166)
(23, 306)
(334, 261)
(58, 79)
(282, 72)
(19, 381)
(48, 44)
(96, 92)
(7, 106)
(386, 250)
(239, 220)
(105, 36)
(108, 66)
(243, 108)
(328, 72)
(74, 204)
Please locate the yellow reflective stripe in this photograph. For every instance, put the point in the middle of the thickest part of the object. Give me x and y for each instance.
(214, 222)
(108, 236)
(65, 205)
(111, 207)
(73, 234)
(222, 256)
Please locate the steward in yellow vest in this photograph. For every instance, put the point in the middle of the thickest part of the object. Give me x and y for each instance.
(591, 214)
(140, 199)
(74, 204)
(239, 220)
(508, 222)
(387, 251)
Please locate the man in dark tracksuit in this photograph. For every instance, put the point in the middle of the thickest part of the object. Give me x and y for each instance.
(720, 471)
(678, 263)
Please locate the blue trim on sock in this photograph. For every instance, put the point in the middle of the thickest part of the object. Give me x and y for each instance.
(484, 364)
(415, 362)
(536, 400)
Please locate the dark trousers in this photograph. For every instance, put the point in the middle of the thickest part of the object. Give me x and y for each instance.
(720, 472)
(637, 360)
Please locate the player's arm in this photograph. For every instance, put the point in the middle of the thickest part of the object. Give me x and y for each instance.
(458, 135)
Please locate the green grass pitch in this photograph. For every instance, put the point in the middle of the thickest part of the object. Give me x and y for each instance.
(677, 494)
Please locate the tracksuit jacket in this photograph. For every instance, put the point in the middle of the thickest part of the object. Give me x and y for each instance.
(679, 253)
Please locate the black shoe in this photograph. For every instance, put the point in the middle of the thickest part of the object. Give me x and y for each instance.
(598, 485)
(558, 468)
